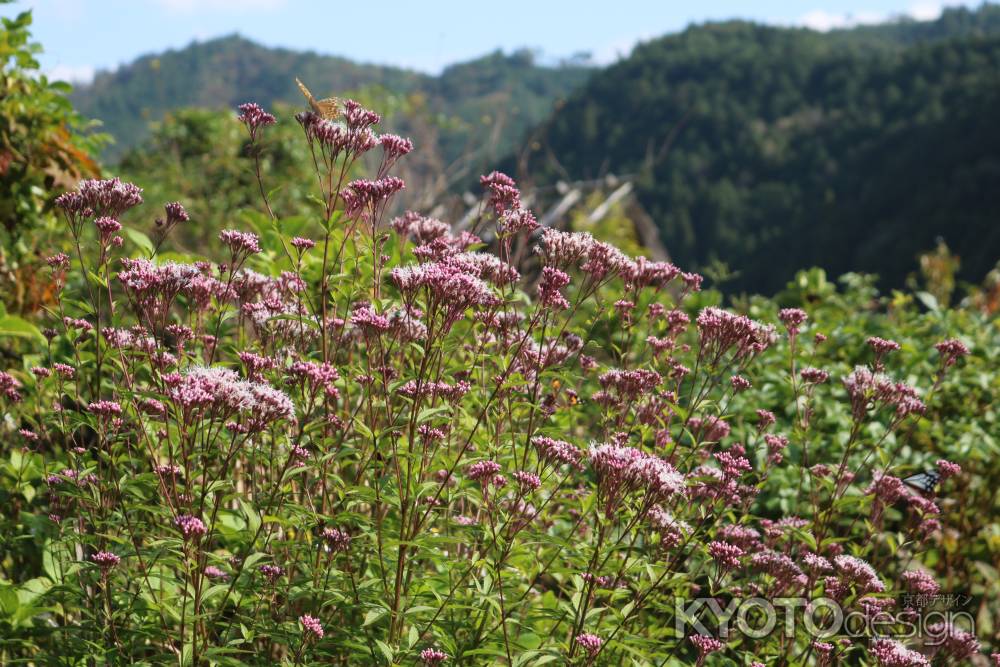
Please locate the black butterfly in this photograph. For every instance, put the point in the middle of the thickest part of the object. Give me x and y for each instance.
(924, 481)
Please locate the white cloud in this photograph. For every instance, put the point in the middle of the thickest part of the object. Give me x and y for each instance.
(928, 10)
(822, 20)
(922, 10)
(618, 49)
(71, 73)
(188, 6)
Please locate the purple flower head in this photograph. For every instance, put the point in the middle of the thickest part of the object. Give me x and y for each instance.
(793, 319)
(9, 387)
(311, 627)
(393, 148)
(590, 643)
(58, 262)
(920, 582)
(950, 351)
(867, 389)
(483, 471)
(302, 244)
(365, 199)
(739, 383)
(106, 409)
(175, 213)
(271, 572)
(948, 469)
(418, 228)
(241, 244)
(517, 220)
(726, 555)
(254, 117)
(851, 570)
(107, 227)
(432, 657)
(706, 645)
(621, 470)
(99, 198)
(502, 191)
(528, 481)
(552, 281)
(890, 653)
(882, 347)
(721, 331)
(191, 527)
(358, 118)
(814, 375)
(368, 321)
(645, 273)
(765, 418)
(335, 539)
(105, 559)
(558, 452)
(952, 644)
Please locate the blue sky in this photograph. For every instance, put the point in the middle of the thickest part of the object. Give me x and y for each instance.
(81, 36)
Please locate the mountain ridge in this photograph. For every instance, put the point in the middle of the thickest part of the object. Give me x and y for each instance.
(226, 71)
(772, 149)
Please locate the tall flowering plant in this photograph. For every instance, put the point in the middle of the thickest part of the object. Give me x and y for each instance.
(389, 442)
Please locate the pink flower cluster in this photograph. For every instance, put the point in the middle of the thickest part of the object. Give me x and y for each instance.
(891, 653)
(105, 559)
(951, 351)
(589, 643)
(706, 645)
(364, 198)
(629, 385)
(432, 657)
(621, 470)
(552, 281)
(336, 540)
(99, 199)
(240, 244)
(867, 389)
(311, 627)
(721, 331)
(558, 452)
(254, 117)
(418, 228)
(220, 393)
(191, 527)
(793, 319)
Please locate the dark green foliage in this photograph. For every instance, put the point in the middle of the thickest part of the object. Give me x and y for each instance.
(772, 149)
(40, 143)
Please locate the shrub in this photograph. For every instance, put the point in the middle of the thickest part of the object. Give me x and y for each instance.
(394, 443)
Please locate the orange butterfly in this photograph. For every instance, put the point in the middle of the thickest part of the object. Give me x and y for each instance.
(328, 109)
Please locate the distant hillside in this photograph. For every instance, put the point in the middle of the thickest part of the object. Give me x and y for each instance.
(772, 149)
(498, 93)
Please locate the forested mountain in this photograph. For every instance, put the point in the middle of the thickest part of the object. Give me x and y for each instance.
(772, 149)
(488, 102)
(764, 148)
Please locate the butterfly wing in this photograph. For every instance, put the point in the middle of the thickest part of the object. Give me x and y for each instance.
(327, 109)
(924, 482)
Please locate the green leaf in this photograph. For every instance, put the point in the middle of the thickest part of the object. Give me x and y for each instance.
(252, 517)
(385, 648)
(8, 600)
(143, 242)
(373, 616)
(16, 327)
